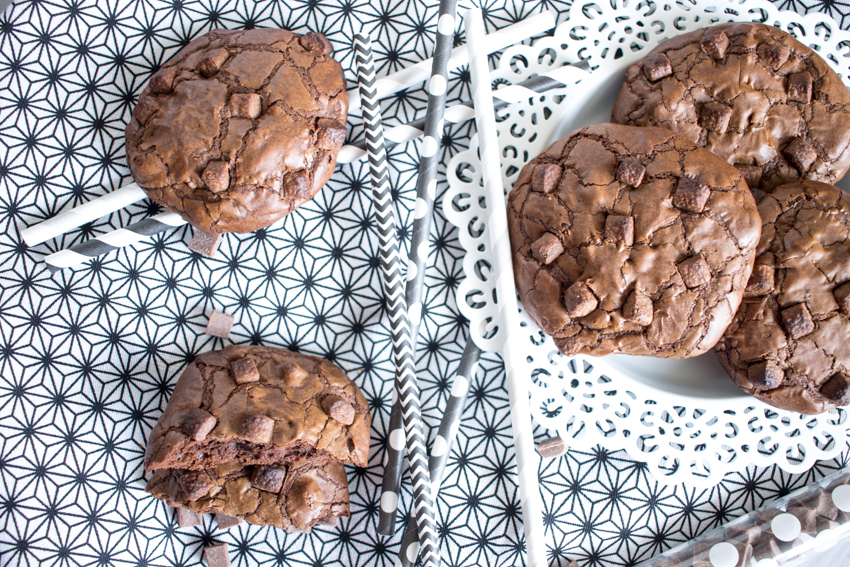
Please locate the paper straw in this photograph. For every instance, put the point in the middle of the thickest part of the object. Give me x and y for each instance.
(555, 79)
(420, 72)
(528, 462)
(392, 273)
(81, 214)
(442, 446)
(114, 240)
(426, 189)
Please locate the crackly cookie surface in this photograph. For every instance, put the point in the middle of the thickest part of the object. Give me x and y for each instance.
(294, 497)
(239, 128)
(631, 240)
(751, 94)
(260, 405)
(788, 345)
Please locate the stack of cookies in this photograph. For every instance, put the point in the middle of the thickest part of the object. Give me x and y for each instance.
(260, 434)
(702, 218)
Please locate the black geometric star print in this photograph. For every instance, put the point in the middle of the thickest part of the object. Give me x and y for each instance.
(88, 358)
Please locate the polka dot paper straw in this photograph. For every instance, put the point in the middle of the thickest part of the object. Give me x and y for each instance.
(527, 459)
(391, 278)
(442, 446)
(426, 191)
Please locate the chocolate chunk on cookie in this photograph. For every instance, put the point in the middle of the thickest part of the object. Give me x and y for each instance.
(751, 94)
(294, 497)
(787, 345)
(644, 247)
(275, 419)
(239, 128)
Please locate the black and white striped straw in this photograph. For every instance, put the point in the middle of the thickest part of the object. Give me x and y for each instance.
(392, 273)
(426, 191)
(558, 78)
(114, 240)
(442, 446)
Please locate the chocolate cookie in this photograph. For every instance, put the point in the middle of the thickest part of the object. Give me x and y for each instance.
(293, 497)
(259, 405)
(631, 240)
(751, 94)
(788, 345)
(239, 128)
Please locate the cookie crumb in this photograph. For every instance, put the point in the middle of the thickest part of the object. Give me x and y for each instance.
(219, 325)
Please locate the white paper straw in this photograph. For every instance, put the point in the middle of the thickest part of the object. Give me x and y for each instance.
(81, 214)
(528, 462)
(421, 72)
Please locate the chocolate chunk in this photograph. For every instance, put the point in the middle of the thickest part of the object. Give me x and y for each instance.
(766, 548)
(219, 325)
(331, 134)
(797, 321)
(162, 82)
(197, 424)
(244, 371)
(638, 308)
(547, 248)
(751, 174)
(552, 447)
(799, 87)
(195, 484)
(246, 105)
(842, 296)
(546, 177)
(825, 507)
(657, 66)
(256, 428)
(293, 375)
(691, 195)
(766, 375)
(715, 117)
(579, 300)
(620, 230)
(226, 522)
(269, 108)
(695, 271)
(213, 60)
(312, 41)
(761, 281)
(216, 556)
(268, 478)
(146, 108)
(801, 154)
(714, 43)
(837, 389)
(773, 53)
(808, 519)
(187, 518)
(331, 521)
(216, 176)
(338, 409)
(630, 172)
(204, 243)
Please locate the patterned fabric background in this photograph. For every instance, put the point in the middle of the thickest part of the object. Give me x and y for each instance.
(89, 357)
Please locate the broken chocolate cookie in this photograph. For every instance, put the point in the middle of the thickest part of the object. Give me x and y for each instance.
(239, 128)
(788, 344)
(751, 94)
(642, 245)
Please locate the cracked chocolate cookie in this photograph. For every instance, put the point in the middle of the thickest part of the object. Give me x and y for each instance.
(260, 406)
(239, 128)
(788, 344)
(631, 240)
(294, 497)
(751, 94)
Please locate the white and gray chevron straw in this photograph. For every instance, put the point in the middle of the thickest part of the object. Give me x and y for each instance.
(426, 191)
(119, 238)
(442, 446)
(392, 273)
(558, 78)
(527, 459)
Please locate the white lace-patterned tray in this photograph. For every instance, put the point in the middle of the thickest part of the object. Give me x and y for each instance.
(685, 419)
